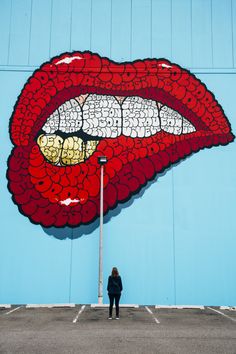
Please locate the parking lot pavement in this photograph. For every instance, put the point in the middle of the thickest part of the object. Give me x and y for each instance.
(145, 330)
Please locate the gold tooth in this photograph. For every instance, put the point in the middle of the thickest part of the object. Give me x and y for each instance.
(90, 147)
(68, 143)
(50, 146)
(66, 152)
(42, 140)
(73, 151)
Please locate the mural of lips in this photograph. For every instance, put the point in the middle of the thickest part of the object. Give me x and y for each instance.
(143, 115)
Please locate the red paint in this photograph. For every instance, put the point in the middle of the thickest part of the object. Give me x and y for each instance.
(38, 187)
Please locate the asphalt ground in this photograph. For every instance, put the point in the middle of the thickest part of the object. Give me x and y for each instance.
(87, 330)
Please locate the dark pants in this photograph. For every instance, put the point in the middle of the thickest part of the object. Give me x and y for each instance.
(117, 299)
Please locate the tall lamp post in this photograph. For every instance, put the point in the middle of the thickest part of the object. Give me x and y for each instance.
(102, 160)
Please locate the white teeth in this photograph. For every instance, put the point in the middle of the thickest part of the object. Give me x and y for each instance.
(140, 117)
(67, 118)
(187, 127)
(52, 123)
(172, 122)
(102, 116)
(70, 116)
(109, 117)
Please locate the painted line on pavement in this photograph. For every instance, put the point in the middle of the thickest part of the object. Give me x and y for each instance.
(152, 314)
(15, 309)
(222, 314)
(78, 314)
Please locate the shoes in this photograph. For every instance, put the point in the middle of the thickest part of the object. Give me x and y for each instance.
(117, 318)
(109, 318)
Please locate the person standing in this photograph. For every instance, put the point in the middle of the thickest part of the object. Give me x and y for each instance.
(114, 288)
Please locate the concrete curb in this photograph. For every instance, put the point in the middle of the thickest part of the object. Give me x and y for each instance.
(230, 308)
(121, 305)
(70, 305)
(49, 305)
(180, 307)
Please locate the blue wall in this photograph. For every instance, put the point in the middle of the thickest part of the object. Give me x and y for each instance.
(175, 242)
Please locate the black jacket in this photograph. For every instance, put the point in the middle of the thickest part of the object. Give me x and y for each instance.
(114, 285)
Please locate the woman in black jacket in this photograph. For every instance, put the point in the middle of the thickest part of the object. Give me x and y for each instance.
(114, 288)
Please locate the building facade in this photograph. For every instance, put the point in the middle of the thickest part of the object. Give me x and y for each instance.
(173, 236)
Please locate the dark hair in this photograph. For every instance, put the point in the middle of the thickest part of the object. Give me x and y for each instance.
(114, 272)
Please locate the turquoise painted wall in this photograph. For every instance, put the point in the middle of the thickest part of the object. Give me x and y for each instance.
(175, 242)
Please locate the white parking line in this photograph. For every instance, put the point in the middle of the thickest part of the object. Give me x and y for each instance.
(222, 314)
(15, 309)
(77, 316)
(152, 314)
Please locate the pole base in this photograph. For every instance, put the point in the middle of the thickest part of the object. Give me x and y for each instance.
(100, 300)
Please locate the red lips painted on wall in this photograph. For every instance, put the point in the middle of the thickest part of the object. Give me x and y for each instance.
(143, 115)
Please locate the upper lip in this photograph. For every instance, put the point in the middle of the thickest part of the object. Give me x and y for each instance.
(70, 75)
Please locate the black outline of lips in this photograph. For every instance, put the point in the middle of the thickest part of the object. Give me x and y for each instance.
(97, 75)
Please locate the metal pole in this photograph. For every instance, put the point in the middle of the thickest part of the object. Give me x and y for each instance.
(100, 280)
